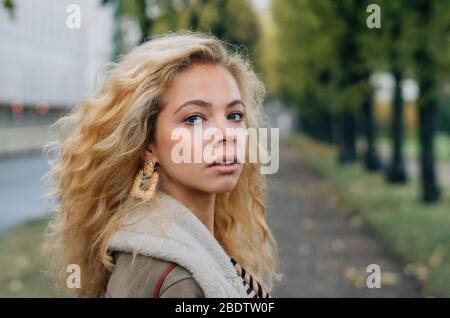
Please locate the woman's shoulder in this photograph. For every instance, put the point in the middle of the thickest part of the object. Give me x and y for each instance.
(136, 275)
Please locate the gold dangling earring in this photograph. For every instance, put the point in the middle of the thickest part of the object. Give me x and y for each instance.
(148, 172)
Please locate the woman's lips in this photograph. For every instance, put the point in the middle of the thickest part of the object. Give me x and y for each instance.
(224, 168)
(224, 160)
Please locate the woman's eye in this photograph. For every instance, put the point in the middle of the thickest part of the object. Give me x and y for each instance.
(236, 116)
(193, 119)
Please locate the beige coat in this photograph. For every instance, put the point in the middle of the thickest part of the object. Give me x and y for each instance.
(165, 231)
(137, 277)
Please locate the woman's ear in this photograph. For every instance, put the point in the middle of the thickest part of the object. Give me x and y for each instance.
(150, 154)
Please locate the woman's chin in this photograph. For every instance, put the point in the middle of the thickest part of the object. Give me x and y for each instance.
(223, 187)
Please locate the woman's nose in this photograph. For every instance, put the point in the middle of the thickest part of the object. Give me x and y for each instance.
(226, 130)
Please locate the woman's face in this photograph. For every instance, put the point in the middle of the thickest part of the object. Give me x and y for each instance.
(204, 96)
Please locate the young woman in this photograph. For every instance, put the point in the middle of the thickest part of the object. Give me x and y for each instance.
(135, 221)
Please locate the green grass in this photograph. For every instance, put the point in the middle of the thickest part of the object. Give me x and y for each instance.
(23, 262)
(418, 233)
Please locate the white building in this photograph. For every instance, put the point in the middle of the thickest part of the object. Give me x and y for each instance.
(43, 61)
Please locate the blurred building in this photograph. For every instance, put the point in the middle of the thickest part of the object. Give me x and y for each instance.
(45, 65)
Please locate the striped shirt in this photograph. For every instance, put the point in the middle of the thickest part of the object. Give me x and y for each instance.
(252, 287)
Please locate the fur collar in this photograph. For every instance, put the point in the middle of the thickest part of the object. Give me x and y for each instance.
(168, 230)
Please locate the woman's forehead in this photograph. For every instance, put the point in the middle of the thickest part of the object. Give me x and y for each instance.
(204, 81)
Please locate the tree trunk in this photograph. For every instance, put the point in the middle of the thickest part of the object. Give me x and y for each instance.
(347, 149)
(396, 172)
(427, 111)
(427, 119)
(145, 22)
(372, 161)
(117, 33)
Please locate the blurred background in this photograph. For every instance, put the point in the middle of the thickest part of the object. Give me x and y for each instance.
(360, 91)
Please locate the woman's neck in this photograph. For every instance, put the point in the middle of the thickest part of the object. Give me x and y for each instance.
(202, 204)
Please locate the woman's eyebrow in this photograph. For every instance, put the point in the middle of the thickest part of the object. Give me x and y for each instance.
(200, 102)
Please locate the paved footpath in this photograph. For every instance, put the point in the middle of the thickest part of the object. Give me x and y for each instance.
(324, 252)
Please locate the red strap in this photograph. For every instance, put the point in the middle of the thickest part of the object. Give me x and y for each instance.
(161, 279)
